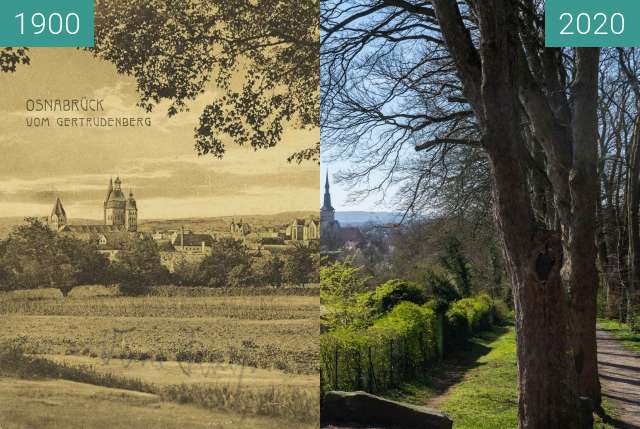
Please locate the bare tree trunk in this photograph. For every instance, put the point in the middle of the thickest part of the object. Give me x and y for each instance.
(633, 224)
(581, 270)
(609, 260)
(534, 256)
(553, 272)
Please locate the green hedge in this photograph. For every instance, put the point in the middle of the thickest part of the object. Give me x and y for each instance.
(465, 318)
(396, 347)
(399, 345)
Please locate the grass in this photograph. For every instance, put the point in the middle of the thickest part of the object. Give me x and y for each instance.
(477, 387)
(172, 372)
(104, 341)
(286, 401)
(14, 363)
(487, 397)
(279, 332)
(621, 331)
(55, 404)
(273, 307)
(603, 422)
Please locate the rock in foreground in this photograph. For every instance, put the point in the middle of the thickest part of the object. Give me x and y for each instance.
(363, 409)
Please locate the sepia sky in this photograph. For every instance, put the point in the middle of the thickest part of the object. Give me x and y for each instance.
(158, 163)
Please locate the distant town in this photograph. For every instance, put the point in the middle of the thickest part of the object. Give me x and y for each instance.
(176, 245)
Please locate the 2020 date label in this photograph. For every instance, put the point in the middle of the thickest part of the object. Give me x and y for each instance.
(592, 23)
(47, 23)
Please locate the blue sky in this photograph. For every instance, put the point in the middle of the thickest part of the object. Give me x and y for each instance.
(340, 193)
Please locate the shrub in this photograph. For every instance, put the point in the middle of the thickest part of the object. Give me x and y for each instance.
(389, 294)
(467, 317)
(502, 314)
(132, 285)
(299, 403)
(442, 288)
(229, 262)
(456, 328)
(395, 348)
(342, 297)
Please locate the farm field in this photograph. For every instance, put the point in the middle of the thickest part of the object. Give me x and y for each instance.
(278, 332)
(172, 372)
(243, 351)
(33, 404)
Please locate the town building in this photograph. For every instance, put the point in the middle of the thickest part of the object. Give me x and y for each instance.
(332, 235)
(120, 214)
(304, 230)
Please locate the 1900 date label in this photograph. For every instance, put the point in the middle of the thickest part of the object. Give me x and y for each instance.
(47, 23)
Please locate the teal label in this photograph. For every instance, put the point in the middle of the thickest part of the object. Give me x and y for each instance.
(52, 23)
(592, 23)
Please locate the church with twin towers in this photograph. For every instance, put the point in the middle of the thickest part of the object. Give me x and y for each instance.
(120, 213)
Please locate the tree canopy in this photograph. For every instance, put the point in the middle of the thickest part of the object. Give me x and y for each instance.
(262, 57)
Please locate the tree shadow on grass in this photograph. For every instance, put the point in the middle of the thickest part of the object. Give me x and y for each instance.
(437, 379)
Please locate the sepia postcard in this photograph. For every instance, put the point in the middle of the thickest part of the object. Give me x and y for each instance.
(159, 221)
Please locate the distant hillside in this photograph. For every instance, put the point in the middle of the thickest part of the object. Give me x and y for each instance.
(360, 218)
(222, 223)
(197, 224)
(7, 223)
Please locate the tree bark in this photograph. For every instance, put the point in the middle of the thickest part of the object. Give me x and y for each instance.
(633, 225)
(553, 272)
(545, 371)
(581, 271)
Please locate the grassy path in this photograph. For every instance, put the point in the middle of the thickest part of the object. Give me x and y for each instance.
(485, 395)
(619, 368)
(477, 387)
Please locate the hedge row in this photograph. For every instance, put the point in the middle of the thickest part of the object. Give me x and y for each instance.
(399, 345)
(394, 348)
(465, 318)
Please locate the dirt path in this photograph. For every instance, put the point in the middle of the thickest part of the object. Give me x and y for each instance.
(620, 377)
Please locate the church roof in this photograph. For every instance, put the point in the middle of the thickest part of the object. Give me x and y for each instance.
(131, 202)
(109, 190)
(115, 196)
(351, 234)
(305, 222)
(86, 229)
(165, 246)
(115, 240)
(193, 240)
(58, 210)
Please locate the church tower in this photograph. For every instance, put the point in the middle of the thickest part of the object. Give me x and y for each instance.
(132, 214)
(115, 206)
(58, 218)
(327, 212)
(109, 191)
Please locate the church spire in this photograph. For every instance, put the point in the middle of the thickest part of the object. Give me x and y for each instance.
(327, 194)
(109, 189)
(58, 210)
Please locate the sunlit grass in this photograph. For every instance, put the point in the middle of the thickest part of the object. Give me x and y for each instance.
(488, 395)
(621, 331)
